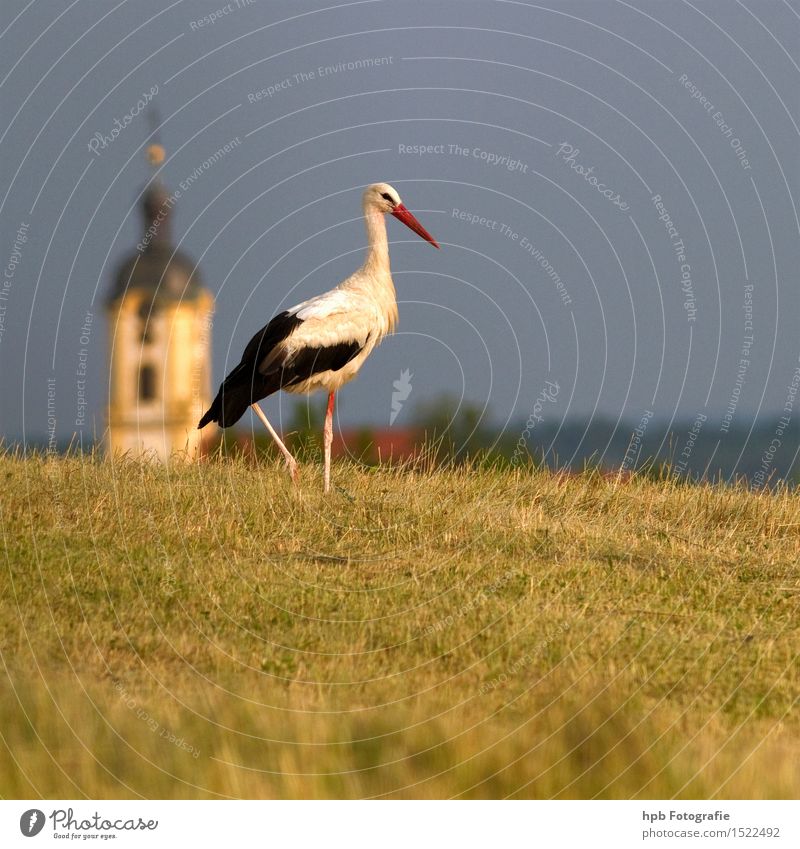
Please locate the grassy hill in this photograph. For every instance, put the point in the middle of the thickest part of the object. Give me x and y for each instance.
(206, 630)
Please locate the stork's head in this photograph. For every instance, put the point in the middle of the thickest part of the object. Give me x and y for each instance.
(384, 198)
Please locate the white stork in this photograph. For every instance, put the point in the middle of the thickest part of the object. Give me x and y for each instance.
(323, 342)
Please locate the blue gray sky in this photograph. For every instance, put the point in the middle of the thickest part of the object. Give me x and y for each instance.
(614, 186)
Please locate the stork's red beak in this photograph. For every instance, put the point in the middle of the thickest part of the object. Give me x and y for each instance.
(402, 214)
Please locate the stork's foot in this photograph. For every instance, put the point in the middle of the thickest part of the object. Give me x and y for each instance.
(294, 470)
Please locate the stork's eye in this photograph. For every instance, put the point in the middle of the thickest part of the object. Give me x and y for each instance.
(387, 196)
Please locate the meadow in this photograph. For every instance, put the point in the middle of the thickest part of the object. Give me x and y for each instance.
(206, 630)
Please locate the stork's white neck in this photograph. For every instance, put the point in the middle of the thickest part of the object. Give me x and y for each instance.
(377, 258)
(375, 278)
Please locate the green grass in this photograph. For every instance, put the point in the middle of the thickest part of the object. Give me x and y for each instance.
(206, 630)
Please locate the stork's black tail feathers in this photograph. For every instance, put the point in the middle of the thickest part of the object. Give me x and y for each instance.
(241, 388)
(247, 384)
(211, 414)
(234, 397)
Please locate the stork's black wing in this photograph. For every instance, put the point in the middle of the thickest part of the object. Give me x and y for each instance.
(245, 384)
(259, 375)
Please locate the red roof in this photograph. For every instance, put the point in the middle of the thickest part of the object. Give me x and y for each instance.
(365, 444)
(377, 444)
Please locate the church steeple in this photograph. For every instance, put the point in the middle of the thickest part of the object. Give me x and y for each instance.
(160, 323)
(157, 203)
(156, 268)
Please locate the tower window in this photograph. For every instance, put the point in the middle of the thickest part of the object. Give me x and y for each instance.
(147, 383)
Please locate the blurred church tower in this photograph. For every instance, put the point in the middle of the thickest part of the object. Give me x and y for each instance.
(159, 321)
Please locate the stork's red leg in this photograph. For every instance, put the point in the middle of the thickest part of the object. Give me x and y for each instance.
(328, 439)
(290, 461)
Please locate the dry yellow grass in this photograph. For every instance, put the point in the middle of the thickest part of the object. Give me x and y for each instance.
(202, 631)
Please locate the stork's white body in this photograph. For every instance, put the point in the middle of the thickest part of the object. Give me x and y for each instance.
(362, 308)
(323, 342)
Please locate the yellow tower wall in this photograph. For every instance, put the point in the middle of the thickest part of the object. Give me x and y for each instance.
(179, 354)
